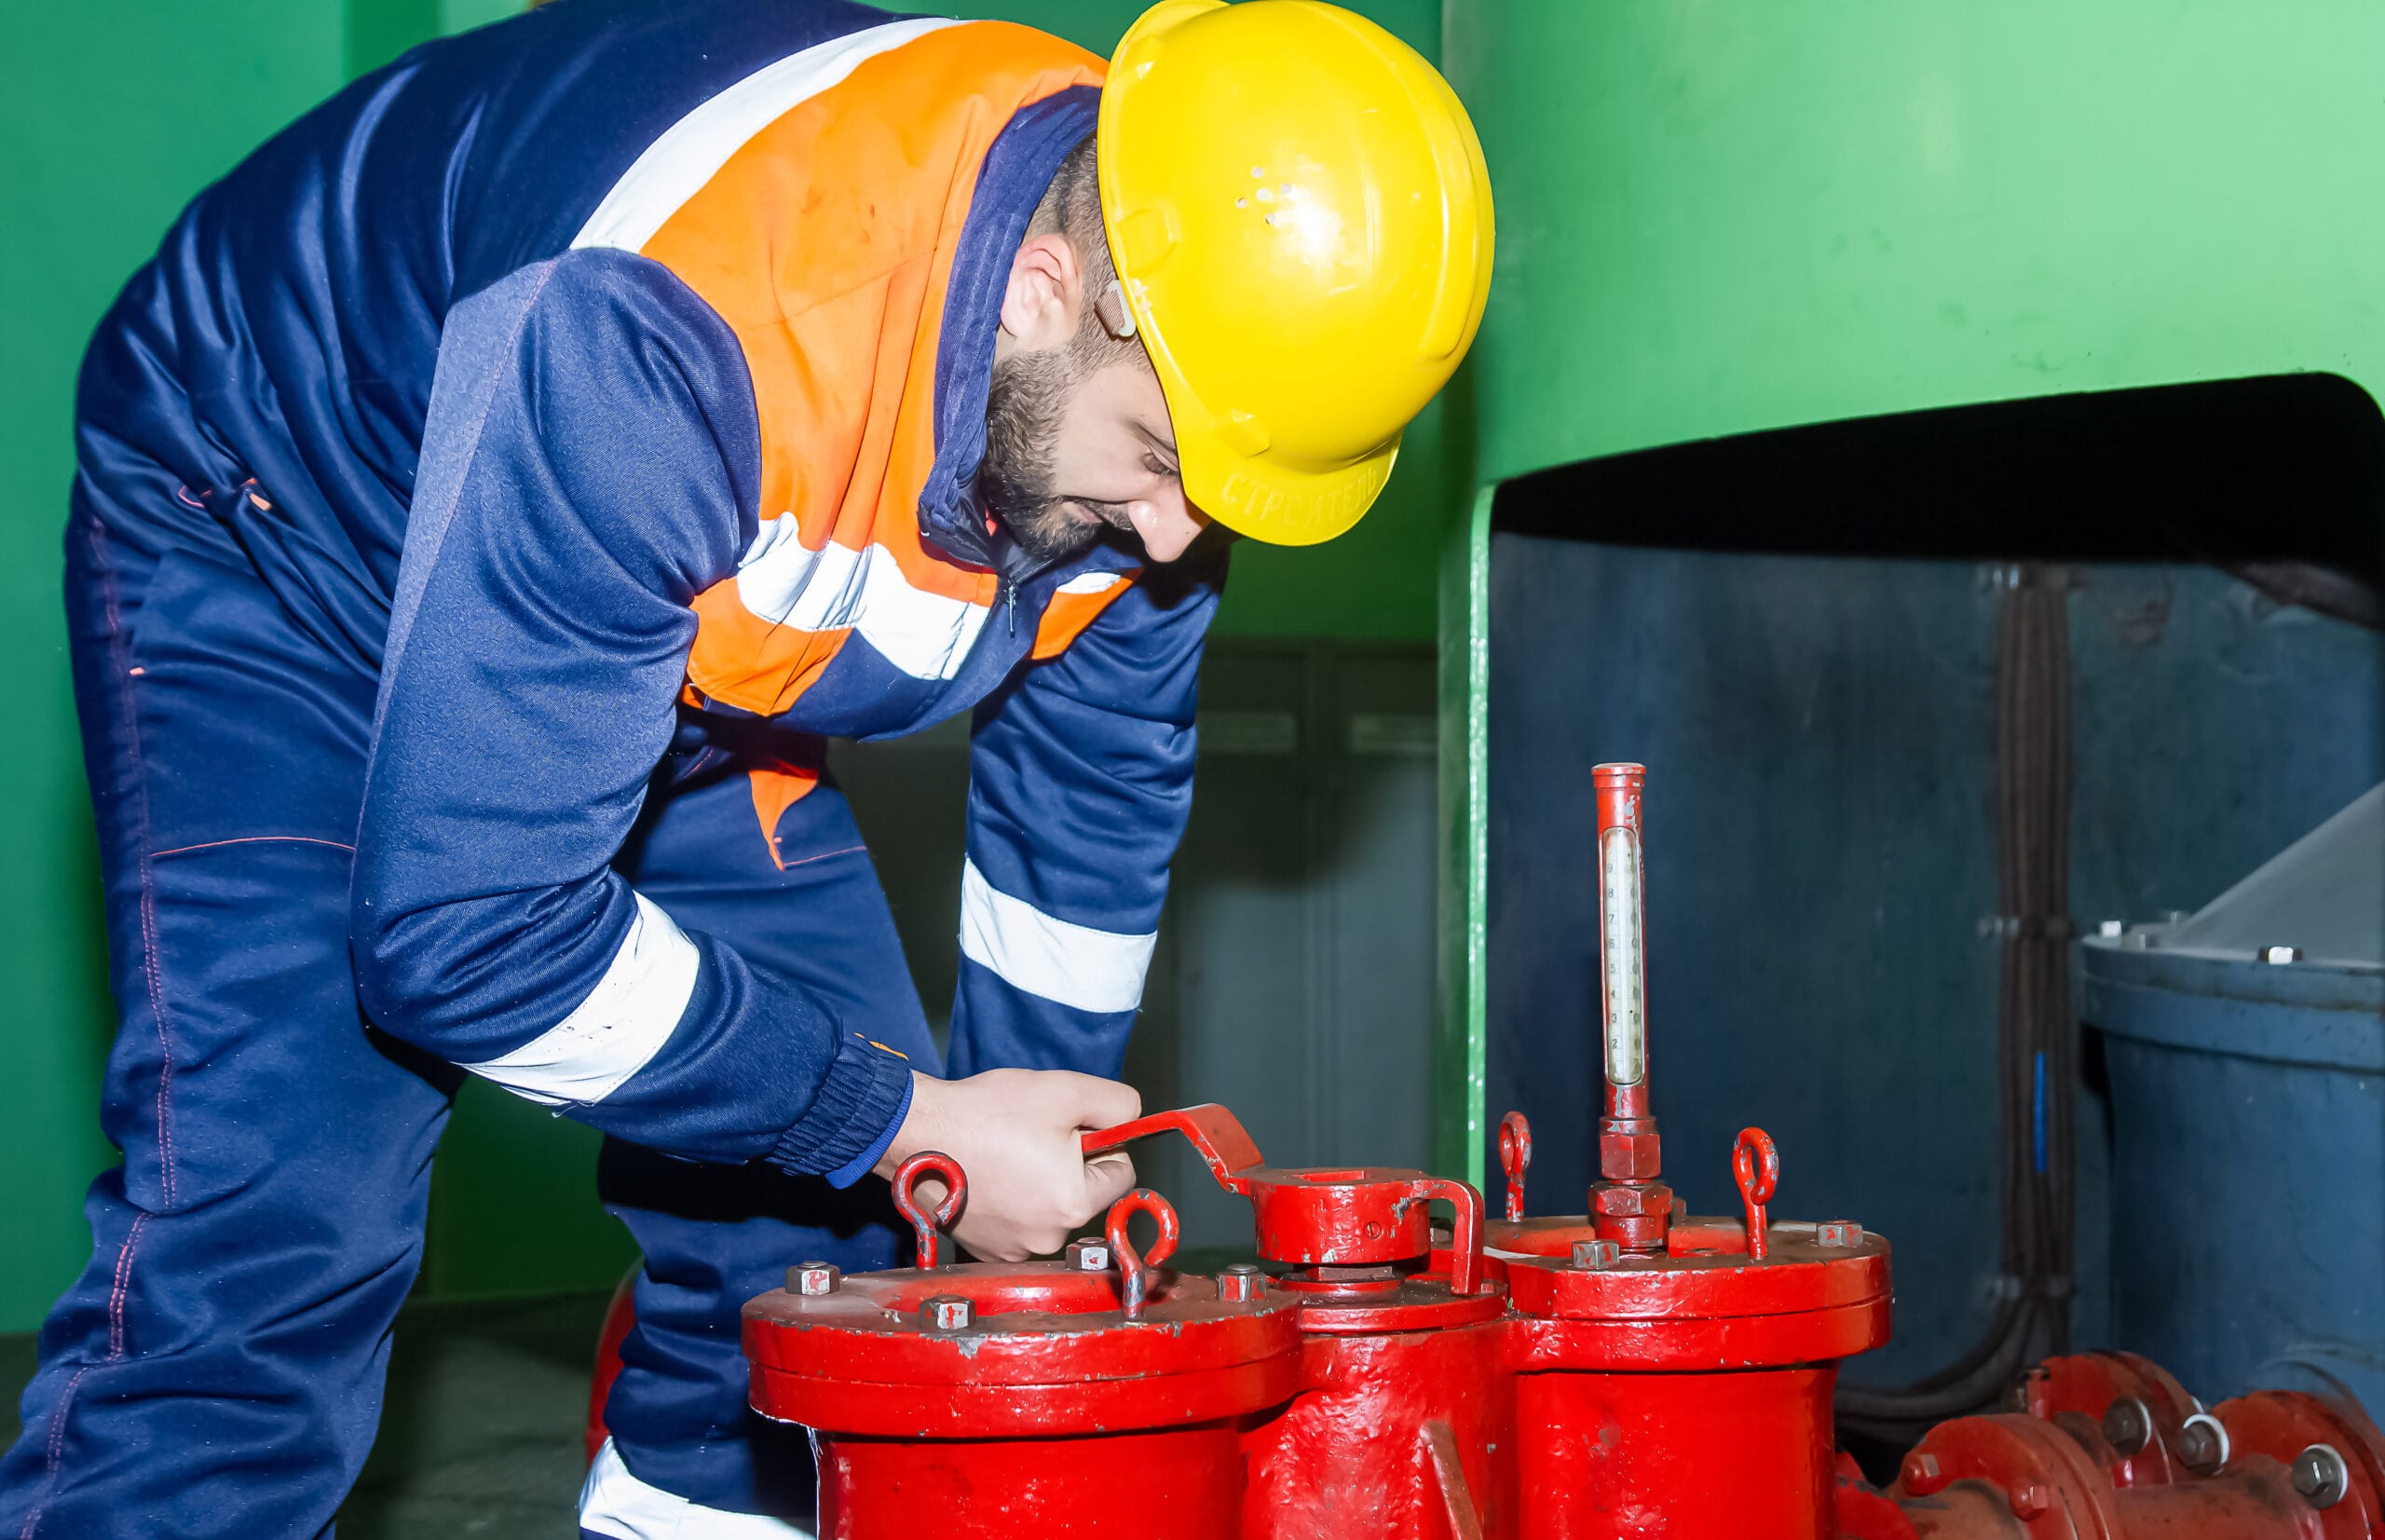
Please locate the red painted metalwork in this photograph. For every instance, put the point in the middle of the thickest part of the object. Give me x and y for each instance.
(1515, 1159)
(2282, 1465)
(929, 1226)
(2139, 1409)
(620, 1316)
(1756, 1164)
(1314, 1217)
(1686, 1394)
(1405, 1421)
(1137, 1273)
(1039, 1408)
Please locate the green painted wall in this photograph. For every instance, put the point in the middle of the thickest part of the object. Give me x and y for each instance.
(135, 105)
(124, 109)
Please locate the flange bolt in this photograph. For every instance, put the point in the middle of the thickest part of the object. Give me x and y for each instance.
(1838, 1232)
(813, 1279)
(1597, 1255)
(2029, 1500)
(1241, 1282)
(1922, 1474)
(2202, 1444)
(2128, 1426)
(2321, 1476)
(949, 1312)
(1090, 1254)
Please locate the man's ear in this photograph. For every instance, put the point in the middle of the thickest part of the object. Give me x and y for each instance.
(1041, 303)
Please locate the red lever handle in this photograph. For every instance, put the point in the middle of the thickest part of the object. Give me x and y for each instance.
(1757, 1166)
(929, 1224)
(1515, 1159)
(1215, 1132)
(1466, 1240)
(1135, 1270)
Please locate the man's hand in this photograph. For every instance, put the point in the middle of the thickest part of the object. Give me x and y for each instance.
(1014, 1132)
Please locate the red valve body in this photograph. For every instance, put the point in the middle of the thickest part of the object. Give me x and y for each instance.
(1685, 1395)
(1394, 1433)
(1053, 1414)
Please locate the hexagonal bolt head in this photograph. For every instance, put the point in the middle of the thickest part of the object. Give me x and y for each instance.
(1089, 1256)
(1596, 1256)
(2202, 1444)
(813, 1279)
(2320, 1476)
(1241, 1282)
(2128, 1426)
(1922, 1474)
(1630, 1157)
(1838, 1232)
(949, 1312)
(2029, 1499)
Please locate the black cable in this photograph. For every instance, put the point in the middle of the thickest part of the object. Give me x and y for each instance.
(2035, 1034)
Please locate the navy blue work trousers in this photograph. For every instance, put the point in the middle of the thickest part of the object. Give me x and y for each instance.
(217, 1367)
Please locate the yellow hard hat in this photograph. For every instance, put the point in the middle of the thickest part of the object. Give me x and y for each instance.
(1300, 220)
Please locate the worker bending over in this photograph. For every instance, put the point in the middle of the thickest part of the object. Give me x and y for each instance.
(491, 497)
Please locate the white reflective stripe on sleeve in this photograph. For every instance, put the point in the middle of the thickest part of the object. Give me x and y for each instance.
(1073, 965)
(691, 152)
(617, 1028)
(613, 1501)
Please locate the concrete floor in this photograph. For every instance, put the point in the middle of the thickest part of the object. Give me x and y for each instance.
(481, 1428)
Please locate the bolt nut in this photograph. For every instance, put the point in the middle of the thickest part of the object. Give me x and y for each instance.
(2320, 1476)
(1241, 1282)
(2111, 929)
(2128, 1426)
(813, 1279)
(1643, 1200)
(1089, 1256)
(2202, 1444)
(949, 1312)
(2279, 954)
(1630, 1157)
(2029, 1499)
(1922, 1476)
(1838, 1232)
(1596, 1256)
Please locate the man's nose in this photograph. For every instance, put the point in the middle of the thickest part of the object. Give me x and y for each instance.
(1167, 526)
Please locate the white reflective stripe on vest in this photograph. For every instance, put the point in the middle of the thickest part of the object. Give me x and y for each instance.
(1072, 965)
(691, 152)
(613, 1501)
(786, 583)
(620, 1026)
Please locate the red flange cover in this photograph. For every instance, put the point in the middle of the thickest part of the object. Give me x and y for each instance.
(1703, 1303)
(1050, 1351)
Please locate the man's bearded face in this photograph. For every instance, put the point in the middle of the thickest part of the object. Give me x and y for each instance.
(1025, 410)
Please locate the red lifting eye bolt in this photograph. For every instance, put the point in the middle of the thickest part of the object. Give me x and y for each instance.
(929, 1224)
(1137, 1273)
(1757, 1166)
(1515, 1159)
